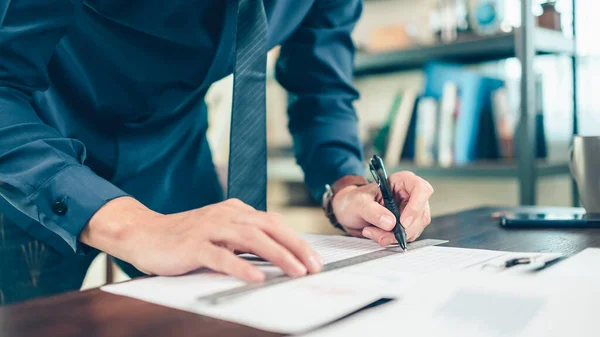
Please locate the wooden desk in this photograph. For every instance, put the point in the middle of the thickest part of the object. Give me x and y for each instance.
(94, 313)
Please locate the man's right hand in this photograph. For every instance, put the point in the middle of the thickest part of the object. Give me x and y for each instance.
(208, 237)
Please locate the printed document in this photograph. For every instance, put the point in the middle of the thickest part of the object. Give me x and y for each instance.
(471, 304)
(307, 303)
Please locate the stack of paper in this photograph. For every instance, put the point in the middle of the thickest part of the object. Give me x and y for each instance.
(552, 304)
(298, 306)
(307, 303)
(318, 299)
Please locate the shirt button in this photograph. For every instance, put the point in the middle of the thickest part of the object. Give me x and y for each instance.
(60, 207)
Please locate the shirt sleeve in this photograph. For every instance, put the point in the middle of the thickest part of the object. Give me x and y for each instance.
(42, 173)
(316, 67)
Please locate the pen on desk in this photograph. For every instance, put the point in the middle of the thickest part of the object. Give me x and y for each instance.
(541, 263)
(380, 176)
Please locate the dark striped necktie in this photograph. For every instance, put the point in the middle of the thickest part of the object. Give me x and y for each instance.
(247, 179)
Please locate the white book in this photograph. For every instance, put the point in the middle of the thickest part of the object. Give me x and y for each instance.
(399, 129)
(504, 121)
(426, 129)
(446, 128)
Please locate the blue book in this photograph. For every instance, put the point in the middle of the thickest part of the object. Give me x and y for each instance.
(475, 134)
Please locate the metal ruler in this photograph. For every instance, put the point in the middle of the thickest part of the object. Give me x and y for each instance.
(226, 295)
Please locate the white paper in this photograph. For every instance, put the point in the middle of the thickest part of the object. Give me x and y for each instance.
(583, 268)
(334, 248)
(429, 260)
(290, 308)
(480, 305)
(497, 265)
(557, 302)
(297, 306)
(313, 301)
(178, 292)
(293, 307)
(395, 273)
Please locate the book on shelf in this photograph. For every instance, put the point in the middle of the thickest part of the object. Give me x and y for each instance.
(399, 128)
(381, 138)
(459, 118)
(427, 111)
(474, 133)
(505, 122)
(448, 114)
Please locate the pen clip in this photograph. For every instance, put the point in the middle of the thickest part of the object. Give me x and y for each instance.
(377, 169)
(375, 175)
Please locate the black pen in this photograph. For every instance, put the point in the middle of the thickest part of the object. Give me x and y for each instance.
(381, 178)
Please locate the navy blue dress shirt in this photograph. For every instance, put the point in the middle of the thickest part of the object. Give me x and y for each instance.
(105, 98)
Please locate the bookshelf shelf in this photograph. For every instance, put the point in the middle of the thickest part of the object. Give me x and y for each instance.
(488, 170)
(524, 43)
(286, 170)
(471, 50)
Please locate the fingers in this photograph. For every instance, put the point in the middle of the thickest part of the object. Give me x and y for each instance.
(385, 238)
(272, 225)
(377, 215)
(222, 260)
(415, 236)
(382, 237)
(264, 235)
(254, 240)
(355, 232)
(419, 191)
(290, 240)
(418, 227)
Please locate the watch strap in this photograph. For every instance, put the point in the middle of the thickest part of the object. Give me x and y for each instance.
(331, 191)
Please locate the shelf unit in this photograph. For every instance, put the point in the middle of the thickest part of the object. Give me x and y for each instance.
(524, 43)
(470, 50)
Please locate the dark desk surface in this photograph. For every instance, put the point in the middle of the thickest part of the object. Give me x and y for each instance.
(95, 313)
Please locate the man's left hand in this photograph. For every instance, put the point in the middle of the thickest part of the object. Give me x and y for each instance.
(361, 212)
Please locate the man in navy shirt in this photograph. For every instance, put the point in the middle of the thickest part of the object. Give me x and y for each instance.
(103, 137)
